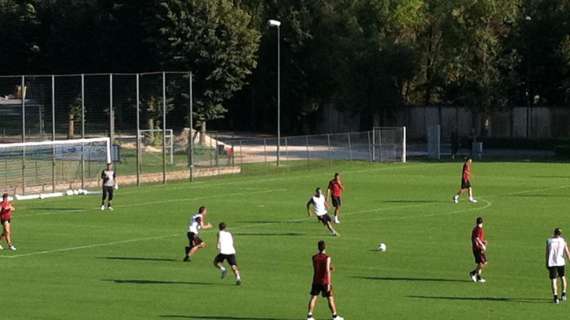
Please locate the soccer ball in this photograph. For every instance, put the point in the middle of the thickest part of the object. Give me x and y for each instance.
(382, 247)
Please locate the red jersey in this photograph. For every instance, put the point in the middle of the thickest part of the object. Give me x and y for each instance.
(5, 210)
(336, 188)
(321, 273)
(477, 237)
(466, 172)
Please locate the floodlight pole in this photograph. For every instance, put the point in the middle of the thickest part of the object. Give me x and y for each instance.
(277, 24)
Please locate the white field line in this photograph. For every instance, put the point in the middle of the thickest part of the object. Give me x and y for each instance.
(142, 204)
(487, 205)
(89, 246)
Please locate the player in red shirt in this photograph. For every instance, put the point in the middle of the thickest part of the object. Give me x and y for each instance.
(6, 210)
(465, 182)
(479, 245)
(322, 282)
(334, 192)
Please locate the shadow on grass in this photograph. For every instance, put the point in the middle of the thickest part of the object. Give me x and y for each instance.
(137, 258)
(158, 282)
(412, 201)
(491, 299)
(197, 317)
(282, 234)
(410, 279)
(271, 222)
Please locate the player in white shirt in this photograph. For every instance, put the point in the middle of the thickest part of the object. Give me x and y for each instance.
(226, 251)
(556, 252)
(109, 183)
(320, 206)
(197, 222)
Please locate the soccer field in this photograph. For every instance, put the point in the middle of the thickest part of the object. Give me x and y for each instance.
(75, 262)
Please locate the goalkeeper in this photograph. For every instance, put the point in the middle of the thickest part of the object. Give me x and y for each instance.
(109, 182)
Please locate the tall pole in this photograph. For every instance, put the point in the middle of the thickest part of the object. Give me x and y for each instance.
(190, 125)
(82, 131)
(164, 127)
(53, 133)
(138, 131)
(23, 96)
(278, 93)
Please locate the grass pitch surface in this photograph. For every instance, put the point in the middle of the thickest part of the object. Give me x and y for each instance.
(75, 262)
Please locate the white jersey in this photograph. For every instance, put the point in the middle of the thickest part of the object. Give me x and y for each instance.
(319, 204)
(195, 223)
(556, 249)
(108, 177)
(226, 243)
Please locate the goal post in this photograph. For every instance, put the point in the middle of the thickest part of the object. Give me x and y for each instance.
(34, 167)
(389, 144)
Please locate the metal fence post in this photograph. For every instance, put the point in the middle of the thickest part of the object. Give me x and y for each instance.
(370, 149)
(240, 154)
(308, 151)
(190, 125)
(349, 146)
(286, 149)
(82, 131)
(265, 150)
(404, 151)
(53, 164)
(23, 97)
(111, 114)
(330, 149)
(163, 127)
(138, 126)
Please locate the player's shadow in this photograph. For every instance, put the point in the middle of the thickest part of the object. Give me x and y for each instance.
(157, 282)
(197, 317)
(276, 234)
(272, 222)
(490, 299)
(138, 259)
(412, 201)
(410, 279)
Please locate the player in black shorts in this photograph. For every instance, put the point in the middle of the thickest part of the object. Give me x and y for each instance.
(109, 183)
(227, 252)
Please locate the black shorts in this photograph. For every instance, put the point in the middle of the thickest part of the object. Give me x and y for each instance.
(108, 193)
(480, 256)
(2, 221)
(323, 290)
(325, 219)
(336, 202)
(465, 184)
(557, 272)
(193, 240)
(231, 258)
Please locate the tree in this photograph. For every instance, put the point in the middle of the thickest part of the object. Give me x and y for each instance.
(213, 39)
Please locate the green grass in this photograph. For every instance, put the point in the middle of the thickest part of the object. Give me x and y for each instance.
(74, 262)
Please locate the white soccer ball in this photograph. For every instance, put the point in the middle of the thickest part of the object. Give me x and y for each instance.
(69, 192)
(382, 247)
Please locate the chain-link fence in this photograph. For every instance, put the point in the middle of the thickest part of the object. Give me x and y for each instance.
(146, 118)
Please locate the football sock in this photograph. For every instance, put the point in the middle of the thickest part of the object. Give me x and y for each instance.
(222, 268)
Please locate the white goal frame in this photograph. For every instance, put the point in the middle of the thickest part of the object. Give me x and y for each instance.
(169, 135)
(24, 145)
(378, 145)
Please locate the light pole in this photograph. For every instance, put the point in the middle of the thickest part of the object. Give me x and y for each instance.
(277, 24)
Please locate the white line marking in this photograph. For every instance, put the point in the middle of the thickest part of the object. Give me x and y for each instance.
(106, 244)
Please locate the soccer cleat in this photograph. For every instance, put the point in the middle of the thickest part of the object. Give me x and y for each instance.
(102, 207)
(310, 318)
(472, 200)
(12, 248)
(481, 280)
(1, 247)
(238, 282)
(338, 318)
(455, 199)
(556, 300)
(224, 273)
(473, 276)
(110, 208)
(336, 220)
(563, 297)
(186, 259)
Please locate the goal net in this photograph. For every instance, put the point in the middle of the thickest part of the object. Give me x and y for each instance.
(151, 144)
(34, 167)
(389, 144)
